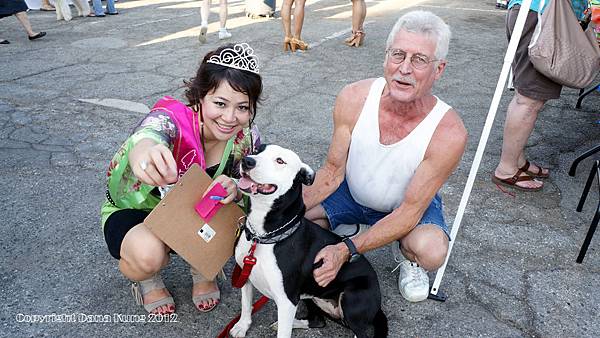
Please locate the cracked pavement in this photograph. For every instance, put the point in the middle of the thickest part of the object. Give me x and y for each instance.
(512, 272)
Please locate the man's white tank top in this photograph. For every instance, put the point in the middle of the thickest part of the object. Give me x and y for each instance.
(379, 174)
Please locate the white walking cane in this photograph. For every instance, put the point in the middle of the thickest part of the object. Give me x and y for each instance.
(508, 59)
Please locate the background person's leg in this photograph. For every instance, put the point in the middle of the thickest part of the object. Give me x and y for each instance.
(223, 33)
(24, 21)
(110, 6)
(298, 18)
(223, 13)
(98, 11)
(286, 21)
(520, 119)
(46, 6)
(359, 12)
(204, 13)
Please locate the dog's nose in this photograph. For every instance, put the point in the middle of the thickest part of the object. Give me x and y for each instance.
(248, 163)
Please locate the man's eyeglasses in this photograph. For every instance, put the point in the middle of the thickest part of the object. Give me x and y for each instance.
(418, 61)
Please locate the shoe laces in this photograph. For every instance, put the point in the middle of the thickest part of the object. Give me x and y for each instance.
(416, 271)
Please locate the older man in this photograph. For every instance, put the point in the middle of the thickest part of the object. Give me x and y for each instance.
(394, 145)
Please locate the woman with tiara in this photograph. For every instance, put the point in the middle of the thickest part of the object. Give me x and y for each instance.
(214, 129)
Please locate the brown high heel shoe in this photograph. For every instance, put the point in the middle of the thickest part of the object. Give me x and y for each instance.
(356, 40)
(287, 44)
(298, 44)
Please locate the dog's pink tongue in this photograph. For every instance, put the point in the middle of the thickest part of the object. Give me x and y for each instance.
(245, 183)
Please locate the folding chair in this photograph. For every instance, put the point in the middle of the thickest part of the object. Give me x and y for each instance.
(581, 157)
(588, 238)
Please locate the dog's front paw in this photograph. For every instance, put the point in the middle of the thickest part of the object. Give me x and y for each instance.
(239, 329)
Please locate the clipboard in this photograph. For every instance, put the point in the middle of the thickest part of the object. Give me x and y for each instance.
(205, 244)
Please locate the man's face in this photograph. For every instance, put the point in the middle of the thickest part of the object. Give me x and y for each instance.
(406, 82)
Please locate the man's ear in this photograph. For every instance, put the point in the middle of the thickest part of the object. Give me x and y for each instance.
(307, 175)
(439, 69)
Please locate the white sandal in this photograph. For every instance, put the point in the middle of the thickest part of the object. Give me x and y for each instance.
(141, 288)
(199, 299)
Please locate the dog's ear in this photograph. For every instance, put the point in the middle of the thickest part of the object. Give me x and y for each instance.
(307, 175)
(261, 148)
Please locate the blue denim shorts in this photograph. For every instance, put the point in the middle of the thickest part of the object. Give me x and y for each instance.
(341, 208)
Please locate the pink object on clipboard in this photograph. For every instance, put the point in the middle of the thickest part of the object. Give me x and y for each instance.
(208, 207)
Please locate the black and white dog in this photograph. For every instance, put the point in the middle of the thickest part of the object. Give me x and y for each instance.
(287, 245)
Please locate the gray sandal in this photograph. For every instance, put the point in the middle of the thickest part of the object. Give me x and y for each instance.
(141, 288)
(199, 299)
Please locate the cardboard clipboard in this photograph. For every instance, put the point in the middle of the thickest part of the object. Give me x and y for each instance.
(205, 245)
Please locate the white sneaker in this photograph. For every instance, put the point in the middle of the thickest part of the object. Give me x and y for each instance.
(224, 34)
(350, 230)
(202, 36)
(413, 281)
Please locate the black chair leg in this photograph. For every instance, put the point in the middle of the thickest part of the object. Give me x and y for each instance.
(595, 172)
(588, 237)
(581, 157)
(582, 95)
(588, 184)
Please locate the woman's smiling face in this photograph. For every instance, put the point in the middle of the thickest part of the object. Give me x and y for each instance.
(225, 112)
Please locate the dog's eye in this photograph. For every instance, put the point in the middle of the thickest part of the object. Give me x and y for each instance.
(280, 161)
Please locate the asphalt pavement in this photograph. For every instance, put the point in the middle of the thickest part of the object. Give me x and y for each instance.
(67, 101)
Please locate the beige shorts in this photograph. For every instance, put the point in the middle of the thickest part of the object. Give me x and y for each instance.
(528, 81)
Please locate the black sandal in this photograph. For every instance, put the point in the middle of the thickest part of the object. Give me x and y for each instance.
(37, 36)
(4, 42)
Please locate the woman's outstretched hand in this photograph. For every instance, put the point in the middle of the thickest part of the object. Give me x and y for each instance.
(153, 163)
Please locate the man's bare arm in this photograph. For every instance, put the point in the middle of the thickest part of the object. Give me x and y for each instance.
(345, 114)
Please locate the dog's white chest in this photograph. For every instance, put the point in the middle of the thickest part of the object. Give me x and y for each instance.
(265, 276)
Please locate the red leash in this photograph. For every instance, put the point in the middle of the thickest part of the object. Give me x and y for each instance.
(240, 276)
(257, 306)
(239, 279)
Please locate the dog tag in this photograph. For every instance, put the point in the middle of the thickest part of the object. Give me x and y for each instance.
(206, 232)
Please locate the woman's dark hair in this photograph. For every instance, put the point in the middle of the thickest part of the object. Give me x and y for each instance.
(210, 76)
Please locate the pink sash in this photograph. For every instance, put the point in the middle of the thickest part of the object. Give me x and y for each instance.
(188, 147)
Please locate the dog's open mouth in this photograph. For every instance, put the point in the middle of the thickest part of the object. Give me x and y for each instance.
(248, 185)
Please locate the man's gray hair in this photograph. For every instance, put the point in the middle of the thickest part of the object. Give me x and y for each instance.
(426, 23)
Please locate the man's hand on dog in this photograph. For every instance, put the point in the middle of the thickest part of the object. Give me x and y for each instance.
(333, 257)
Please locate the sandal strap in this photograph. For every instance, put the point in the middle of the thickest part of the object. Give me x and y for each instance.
(137, 294)
(152, 283)
(212, 295)
(141, 288)
(197, 277)
(517, 178)
(154, 305)
(525, 166)
(538, 173)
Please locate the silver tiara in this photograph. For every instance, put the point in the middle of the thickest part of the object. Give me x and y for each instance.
(241, 56)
